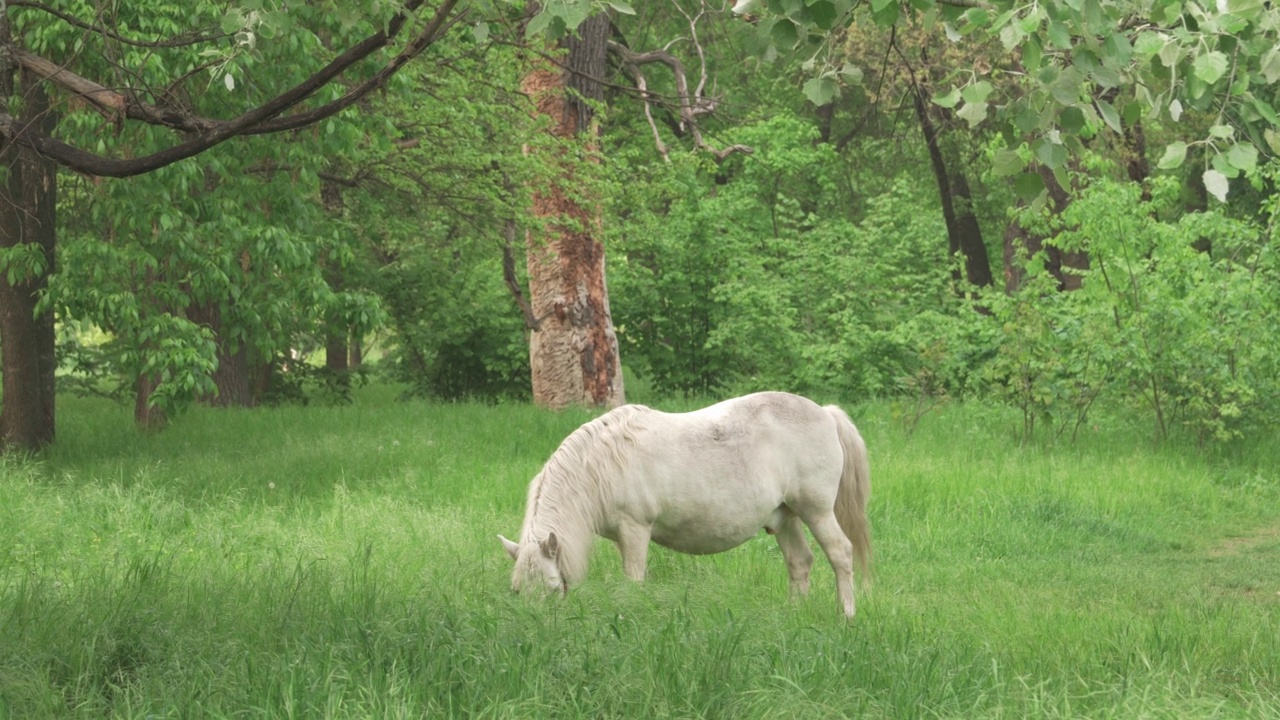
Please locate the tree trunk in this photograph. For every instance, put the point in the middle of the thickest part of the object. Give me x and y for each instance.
(28, 217)
(573, 349)
(964, 235)
(1057, 261)
(233, 375)
(336, 331)
(355, 353)
(145, 416)
(336, 358)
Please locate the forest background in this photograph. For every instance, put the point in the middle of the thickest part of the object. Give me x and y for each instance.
(1060, 207)
(1053, 223)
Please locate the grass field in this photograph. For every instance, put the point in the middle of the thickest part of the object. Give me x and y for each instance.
(341, 562)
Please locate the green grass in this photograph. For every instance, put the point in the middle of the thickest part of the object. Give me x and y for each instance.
(341, 562)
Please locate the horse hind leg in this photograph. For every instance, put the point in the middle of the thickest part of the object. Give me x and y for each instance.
(826, 530)
(796, 553)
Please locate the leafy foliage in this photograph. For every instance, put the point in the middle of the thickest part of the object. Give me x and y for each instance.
(748, 276)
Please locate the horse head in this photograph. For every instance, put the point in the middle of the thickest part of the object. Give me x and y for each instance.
(537, 565)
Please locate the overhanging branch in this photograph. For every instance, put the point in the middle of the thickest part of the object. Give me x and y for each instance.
(111, 104)
(266, 118)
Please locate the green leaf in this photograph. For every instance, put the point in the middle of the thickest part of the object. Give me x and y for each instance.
(1174, 155)
(622, 7)
(1050, 153)
(1222, 131)
(480, 31)
(851, 73)
(1071, 119)
(1148, 43)
(1007, 162)
(1028, 186)
(821, 90)
(1131, 112)
(1067, 87)
(977, 92)
(1031, 54)
(1273, 140)
(1030, 22)
(1211, 66)
(975, 18)
(1244, 156)
(823, 14)
(1118, 50)
(232, 21)
(1003, 19)
(949, 100)
(1216, 184)
(572, 12)
(538, 25)
(1245, 9)
(973, 113)
(1109, 115)
(1011, 37)
(1266, 111)
(1027, 120)
(1220, 163)
(1270, 64)
(888, 16)
(1058, 36)
(785, 34)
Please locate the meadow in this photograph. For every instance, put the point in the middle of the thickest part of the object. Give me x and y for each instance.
(342, 562)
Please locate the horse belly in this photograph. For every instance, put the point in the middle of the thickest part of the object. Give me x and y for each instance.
(707, 533)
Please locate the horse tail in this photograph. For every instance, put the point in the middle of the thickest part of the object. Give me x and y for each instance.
(855, 489)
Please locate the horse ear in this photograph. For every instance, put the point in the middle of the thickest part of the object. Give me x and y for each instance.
(550, 546)
(513, 549)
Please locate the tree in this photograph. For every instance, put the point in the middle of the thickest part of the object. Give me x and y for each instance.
(28, 207)
(573, 348)
(40, 42)
(1080, 69)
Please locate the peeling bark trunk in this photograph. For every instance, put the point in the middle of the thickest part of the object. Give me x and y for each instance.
(28, 216)
(573, 349)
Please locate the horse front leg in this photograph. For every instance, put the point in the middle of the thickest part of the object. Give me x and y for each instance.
(796, 553)
(633, 545)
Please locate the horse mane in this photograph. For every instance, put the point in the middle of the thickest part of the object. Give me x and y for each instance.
(569, 495)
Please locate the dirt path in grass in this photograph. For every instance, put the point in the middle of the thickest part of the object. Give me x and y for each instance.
(1248, 565)
(1233, 546)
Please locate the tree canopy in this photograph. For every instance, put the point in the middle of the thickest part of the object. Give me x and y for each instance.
(1056, 206)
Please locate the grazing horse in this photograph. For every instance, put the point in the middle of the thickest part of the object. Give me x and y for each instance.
(700, 482)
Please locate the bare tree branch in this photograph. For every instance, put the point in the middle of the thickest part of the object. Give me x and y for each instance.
(111, 104)
(266, 118)
(531, 321)
(689, 105)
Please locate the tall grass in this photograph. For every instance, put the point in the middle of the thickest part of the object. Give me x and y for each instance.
(341, 562)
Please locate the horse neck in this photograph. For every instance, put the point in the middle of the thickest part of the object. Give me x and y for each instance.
(572, 514)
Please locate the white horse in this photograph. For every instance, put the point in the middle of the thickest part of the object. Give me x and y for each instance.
(700, 482)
